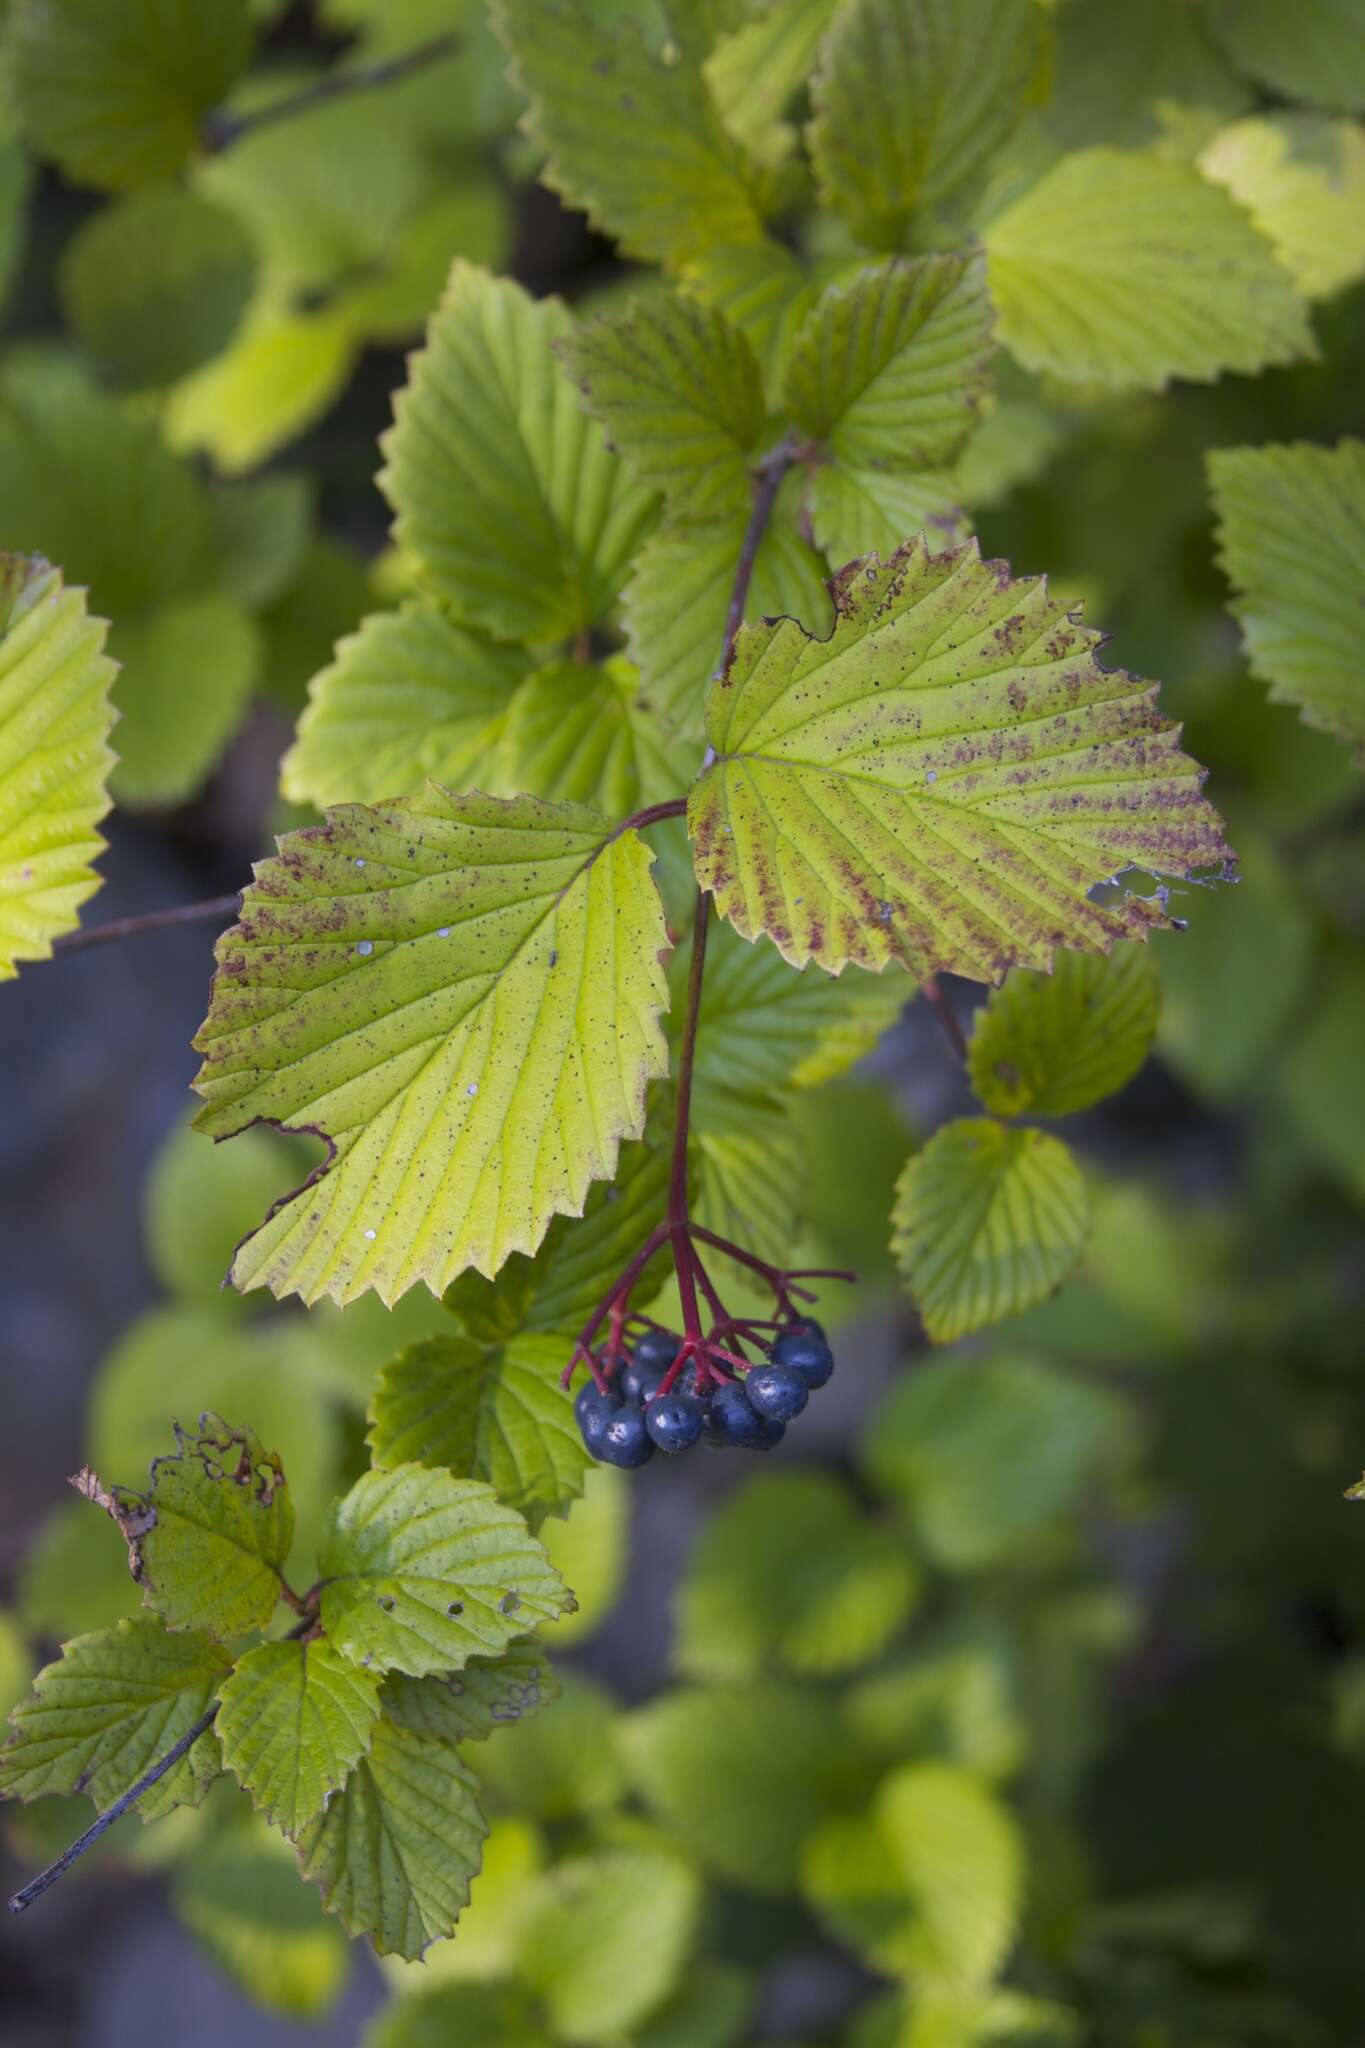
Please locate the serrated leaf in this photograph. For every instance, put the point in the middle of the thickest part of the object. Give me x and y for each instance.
(676, 601)
(1129, 270)
(170, 735)
(985, 1454)
(239, 1895)
(577, 732)
(557, 1766)
(962, 1864)
(911, 101)
(157, 284)
(492, 1412)
(742, 1602)
(605, 1938)
(764, 290)
(423, 1571)
(477, 985)
(55, 759)
(758, 68)
(209, 1538)
(1301, 177)
(396, 1848)
(632, 134)
(116, 95)
(1291, 534)
(891, 369)
(987, 1222)
(861, 510)
(1048, 1045)
(680, 395)
(942, 781)
(411, 697)
(114, 1703)
(742, 1774)
(1312, 51)
(468, 1705)
(294, 1719)
(200, 1199)
(523, 521)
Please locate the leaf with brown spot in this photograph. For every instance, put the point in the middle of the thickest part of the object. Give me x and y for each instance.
(943, 781)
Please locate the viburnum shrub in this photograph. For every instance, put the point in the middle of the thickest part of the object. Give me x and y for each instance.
(692, 736)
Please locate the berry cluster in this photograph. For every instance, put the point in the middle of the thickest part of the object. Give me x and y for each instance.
(651, 1399)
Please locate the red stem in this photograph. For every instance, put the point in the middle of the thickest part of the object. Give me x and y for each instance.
(932, 991)
(224, 907)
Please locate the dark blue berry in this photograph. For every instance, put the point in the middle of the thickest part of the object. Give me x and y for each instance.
(731, 1419)
(592, 1396)
(675, 1421)
(776, 1391)
(640, 1383)
(770, 1433)
(657, 1348)
(624, 1440)
(809, 1357)
(806, 1326)
(593, 1420)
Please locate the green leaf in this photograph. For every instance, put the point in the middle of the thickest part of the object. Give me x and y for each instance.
(111, 1707)
(294, 1719)
(912, 100)
(55, 759)
(116, 95)
(74, 1577)
(170, 736)
(1313, 52)
(712, 2008)
(890, 370)
(524, 522)
(851, 1877)
(1048, 1045)
(262, 536)
(239, 1895)
(412, 696)
(1129, 270)
(753, 1170)
(462, 995)
(559, 1765)
(211, 1534)
(1321, 1078)
(157, 284)
(987, 1222)
(963, 1867)
(1116, 69)
(605, 1939)
(580, 733)
(764, 290)
(865, 511)
(200, 1199)
(956, 1702)
(493, 2015)
(323, 603)
(394, 1851)
(631, 131)
(484, 1949)
(677, 598)
(742, 1774)
(1301, 177)
(680, 394)
(493, 1412)
(757, 69)
(943, 781)
(742, 1602)
(422, 1571)
(986, 1453)
(283, 372)
(487, 1693)
(764, 1026)
(1291, 534)
(588, 1550)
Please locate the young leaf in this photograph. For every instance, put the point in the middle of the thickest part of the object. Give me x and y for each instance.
(1301, 177)
(409, 698)
(171, 736)
(110, 1708)
(579, 732)
(284, 370)
(912, 100)
(55, 759)
(116, 95)
(524, 522)
(1047, 1045)
(890, 370)
(742, 1604)
(942, 781)
(294, 1719)
(605, 1939)
(764, 290)
(680, 394)
(962, 1864)
(462, 996)
(1291, 532)
(987, 1222)
(677, 598)
(423, 1570)
(1129, 270)
(239, 1895)
(468, 1705)
(632, 134)
(1312, 51)
(394, 1851)
(865, 510)
(210, 1536)
(493, 1412)
(757, 69)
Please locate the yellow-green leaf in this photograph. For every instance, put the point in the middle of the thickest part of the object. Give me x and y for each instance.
(943, 781)
(55, 717)
(1301, 177)
(294, 1719)
(1313, 50)
(1050, 1044)
(460, 995)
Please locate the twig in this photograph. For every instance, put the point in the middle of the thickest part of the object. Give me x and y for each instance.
(932, 991)
(149, 921)
(767, 483)
(222, 130)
